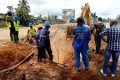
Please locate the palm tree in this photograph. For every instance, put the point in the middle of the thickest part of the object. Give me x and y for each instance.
(22, 11)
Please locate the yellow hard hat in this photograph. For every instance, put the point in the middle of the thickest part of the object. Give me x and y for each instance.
(39, 26)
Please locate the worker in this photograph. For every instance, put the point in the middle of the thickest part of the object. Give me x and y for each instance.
(47, 41)
(40, 40)
(31, 33)
(96, 30)
(82, 36)
(10, 25)
(113, 48)
(16, 25)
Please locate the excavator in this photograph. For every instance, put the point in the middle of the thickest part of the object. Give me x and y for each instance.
(86, 14)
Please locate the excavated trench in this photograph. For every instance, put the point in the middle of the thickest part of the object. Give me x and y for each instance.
(31, 69)
(63, 67)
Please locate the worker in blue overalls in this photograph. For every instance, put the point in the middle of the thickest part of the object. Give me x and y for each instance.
(47, 40)
(82, 36)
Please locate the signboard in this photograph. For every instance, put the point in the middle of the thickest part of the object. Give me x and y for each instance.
(68, 14)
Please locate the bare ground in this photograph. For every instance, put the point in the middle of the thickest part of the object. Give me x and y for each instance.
(63, 67)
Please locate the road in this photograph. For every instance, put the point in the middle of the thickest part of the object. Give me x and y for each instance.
(4, 34)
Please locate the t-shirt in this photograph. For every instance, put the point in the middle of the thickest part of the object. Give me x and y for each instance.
(82, 36)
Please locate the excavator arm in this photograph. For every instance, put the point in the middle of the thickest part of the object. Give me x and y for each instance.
(86, 14)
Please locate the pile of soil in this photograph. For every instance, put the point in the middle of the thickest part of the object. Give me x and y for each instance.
(12, 53)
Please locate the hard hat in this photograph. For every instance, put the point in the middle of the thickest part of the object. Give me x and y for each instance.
(15, 17)
(47, 23)
(9, 11)
(30, 24)
(39, 26)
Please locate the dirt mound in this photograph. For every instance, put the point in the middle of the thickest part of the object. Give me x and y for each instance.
(12, 54)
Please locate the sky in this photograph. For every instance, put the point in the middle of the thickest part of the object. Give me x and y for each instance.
(103, 8)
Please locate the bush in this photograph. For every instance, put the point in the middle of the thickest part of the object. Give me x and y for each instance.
(3, 24)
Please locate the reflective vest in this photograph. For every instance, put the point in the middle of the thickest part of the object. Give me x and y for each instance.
(94, 31)
(8, 25)
(16, 25)
(32, 31)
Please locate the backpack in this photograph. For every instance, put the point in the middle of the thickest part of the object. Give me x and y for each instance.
(42, 37)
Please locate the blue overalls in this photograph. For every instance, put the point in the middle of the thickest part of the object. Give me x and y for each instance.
(40, 36)
(82, 35)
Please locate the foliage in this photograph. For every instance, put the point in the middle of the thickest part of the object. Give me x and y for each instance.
(4, 16)
(40, 16)
(3, 24)
(108, 20)
(118, 18)
(72, 21)
(10, 7)
(22, 11)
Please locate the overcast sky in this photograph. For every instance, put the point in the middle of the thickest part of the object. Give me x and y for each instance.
(104, 8)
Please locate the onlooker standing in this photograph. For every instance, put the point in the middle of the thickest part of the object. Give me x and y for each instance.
(113, 48)
(82, 36)
(96, 30)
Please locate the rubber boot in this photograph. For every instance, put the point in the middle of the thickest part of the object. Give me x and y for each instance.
(51, 58)
(44, 61)
(16, 39)
(11, 37)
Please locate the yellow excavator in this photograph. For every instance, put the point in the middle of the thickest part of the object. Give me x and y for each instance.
(86, 14)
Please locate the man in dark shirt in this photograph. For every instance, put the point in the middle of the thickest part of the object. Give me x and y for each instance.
(97, 29)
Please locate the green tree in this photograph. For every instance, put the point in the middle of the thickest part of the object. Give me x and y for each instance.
(40, 16)
(118, 17)
(22, 11)
(108, 19)
(10, 7)
(52, 18)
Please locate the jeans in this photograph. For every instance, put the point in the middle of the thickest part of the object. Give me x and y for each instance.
(115, 55)
(84, 58)
(98, 43)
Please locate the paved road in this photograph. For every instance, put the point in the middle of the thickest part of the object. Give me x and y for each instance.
(4, 34)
